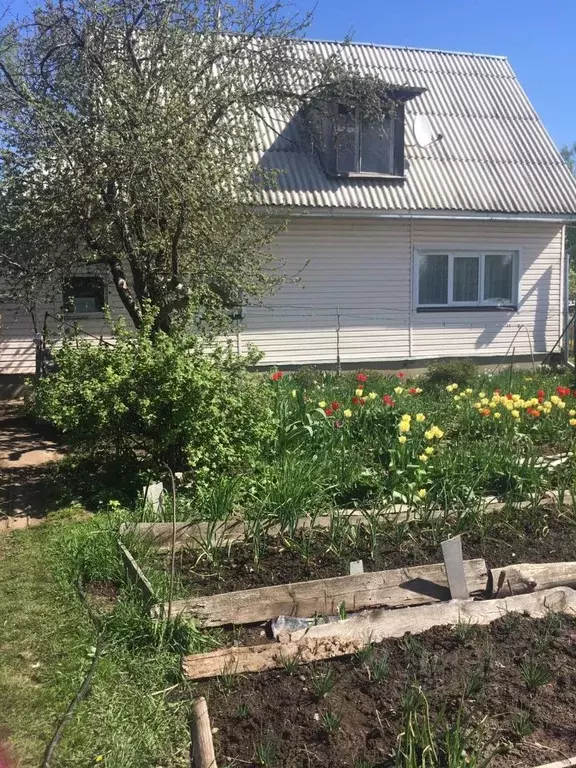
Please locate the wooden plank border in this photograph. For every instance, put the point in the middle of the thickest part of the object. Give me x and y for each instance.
(225, 534)
(327, 641)
(136, 575)
(397, 588)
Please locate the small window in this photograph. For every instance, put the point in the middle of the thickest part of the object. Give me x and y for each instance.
(467, 279)
(84, 295)
(366, 146)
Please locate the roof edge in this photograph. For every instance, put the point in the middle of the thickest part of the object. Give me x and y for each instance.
(551, 218)
(405, 48)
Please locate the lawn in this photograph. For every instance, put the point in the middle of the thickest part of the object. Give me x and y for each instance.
(47, 641)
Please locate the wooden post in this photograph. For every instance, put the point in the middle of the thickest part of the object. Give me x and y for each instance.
(201, 735)
(454, 563)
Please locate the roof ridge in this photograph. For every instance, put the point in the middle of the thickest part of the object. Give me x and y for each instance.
(406, 48)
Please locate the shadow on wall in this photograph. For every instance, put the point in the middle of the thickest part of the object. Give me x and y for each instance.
(535, 328)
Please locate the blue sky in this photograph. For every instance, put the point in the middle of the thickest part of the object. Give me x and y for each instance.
(538, 38)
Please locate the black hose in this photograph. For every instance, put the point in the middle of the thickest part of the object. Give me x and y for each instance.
(84, 689)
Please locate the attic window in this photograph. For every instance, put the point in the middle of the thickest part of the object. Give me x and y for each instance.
(368, 146)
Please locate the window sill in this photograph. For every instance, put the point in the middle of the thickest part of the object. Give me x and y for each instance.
(369, 175)
(485, 308)
(85, 316)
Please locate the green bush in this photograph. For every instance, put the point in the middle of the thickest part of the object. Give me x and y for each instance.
(166, 398)
(461, 372)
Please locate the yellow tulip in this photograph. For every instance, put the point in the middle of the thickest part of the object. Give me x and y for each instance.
(515, 398)
(497, 415)
(404, 426)
(422, 493)
(515, 413)
(420, 417)
(573, 422)
(481, 394)
(398, 390)
(423, 457)
(555, 399)
(359, 392)
(372, 395)
(429, 435)
(402, 439)
(561, 405)
(347, 413)
(406, 417)
(322, 404)
(429, 450)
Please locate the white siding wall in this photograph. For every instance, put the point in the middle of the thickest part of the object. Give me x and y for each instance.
(17, 351)
(357, 273)
(360, 271)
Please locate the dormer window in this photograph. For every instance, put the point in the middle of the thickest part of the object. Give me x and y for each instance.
(364, 145)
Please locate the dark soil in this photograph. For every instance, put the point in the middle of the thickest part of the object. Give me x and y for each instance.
(537, 538)
(102, 595)
(280, 712)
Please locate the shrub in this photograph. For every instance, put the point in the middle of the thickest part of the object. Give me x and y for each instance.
(166, 397)
(461, 372)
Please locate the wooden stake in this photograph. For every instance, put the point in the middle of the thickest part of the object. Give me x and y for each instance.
(201, 735)
(453, 560)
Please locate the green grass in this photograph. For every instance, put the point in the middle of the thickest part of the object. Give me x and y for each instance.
(46, 641)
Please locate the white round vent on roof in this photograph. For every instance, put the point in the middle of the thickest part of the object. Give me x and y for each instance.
(423, 133)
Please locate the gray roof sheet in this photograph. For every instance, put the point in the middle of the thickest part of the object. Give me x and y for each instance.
(496, 155)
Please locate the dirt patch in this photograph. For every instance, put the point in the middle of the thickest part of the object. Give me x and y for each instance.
(480, 673)
(102, 596)
(27, 452)
(542, 537)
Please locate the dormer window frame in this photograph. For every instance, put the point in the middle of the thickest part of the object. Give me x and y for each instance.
(324, 136)
(393, 140)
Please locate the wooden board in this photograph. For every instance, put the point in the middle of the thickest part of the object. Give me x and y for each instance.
(455, 571)
(570, 761)
(394, 589)
(224, 534)
(136, 575)
(521, 578)
(326, 641)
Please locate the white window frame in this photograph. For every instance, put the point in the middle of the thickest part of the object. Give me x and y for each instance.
(479, 254)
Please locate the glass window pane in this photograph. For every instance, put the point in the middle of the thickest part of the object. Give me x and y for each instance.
(433, 279)
(345, 139)
(377, 146)
(498, 276)
(465, 287)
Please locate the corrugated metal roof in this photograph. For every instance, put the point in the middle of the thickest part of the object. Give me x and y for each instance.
(495, 156)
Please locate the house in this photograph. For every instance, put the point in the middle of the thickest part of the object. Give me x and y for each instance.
(441, 237)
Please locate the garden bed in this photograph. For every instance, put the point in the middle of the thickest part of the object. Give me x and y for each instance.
(544, 535)
(513, 684)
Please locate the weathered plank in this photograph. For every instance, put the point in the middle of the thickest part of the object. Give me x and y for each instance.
(136, 574)
(397, 588)
(224, 534)
(570, 761)
(201, 736)
(521, 578)
(325, 641)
